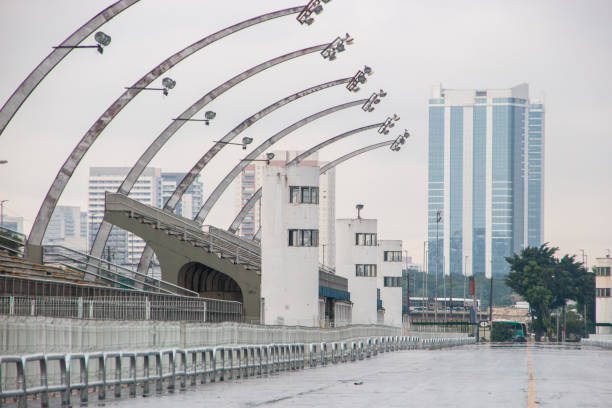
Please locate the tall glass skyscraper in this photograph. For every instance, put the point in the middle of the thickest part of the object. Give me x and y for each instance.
(485, 180)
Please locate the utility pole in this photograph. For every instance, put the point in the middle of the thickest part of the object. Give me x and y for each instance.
(438, 219)
(2, 212)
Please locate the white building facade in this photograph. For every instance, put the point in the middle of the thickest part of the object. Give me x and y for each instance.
(603, 300)
(290, 244)
(356, 260)
(389, 280)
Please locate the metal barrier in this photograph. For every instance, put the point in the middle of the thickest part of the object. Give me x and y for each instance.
(161, 308)
(603, 343)
(179, 368)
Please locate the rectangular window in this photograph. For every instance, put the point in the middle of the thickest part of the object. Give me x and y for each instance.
(303, 238)
(393, 281)
(393, 256)
(603, 292)
(602, 270)
(303, 195)
(294, 194)
(365, 270)
(366, 239)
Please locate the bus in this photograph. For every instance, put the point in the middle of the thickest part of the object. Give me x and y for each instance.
(508, 330)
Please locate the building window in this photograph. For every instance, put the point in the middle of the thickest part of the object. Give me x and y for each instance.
(303, 195)
(393, 281)
(602, 270)
(366, 239)
(603, 292)
(393, 256)
(303, 238)
(367, 270)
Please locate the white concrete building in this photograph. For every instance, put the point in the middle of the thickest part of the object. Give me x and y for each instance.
(289, 244)
(250, 180)
(190, 202)
(603, 301)
(356, 260)
(389, 280)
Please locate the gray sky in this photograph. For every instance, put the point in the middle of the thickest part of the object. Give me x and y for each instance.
(563, 49)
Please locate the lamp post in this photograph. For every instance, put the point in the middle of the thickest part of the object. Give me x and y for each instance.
(2, 212)
(313, 6)
(101, 38)
(438, 219)
(167, 83)
(269, 156)
(208, 116)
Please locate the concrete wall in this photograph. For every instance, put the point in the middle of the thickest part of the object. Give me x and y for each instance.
(289, 274)
(391, 296)
(363, 289)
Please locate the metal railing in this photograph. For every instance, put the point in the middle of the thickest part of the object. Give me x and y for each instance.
(598, 342)
(11, 241)
(156, 370)
(111, 273)
(123, 308)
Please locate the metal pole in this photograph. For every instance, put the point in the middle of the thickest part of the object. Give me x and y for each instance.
(438, 218)
(407, 286)
(450, 275)
(2, 212)
(323, 245)
(491, 302)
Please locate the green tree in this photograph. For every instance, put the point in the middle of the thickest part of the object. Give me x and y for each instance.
(547, 283)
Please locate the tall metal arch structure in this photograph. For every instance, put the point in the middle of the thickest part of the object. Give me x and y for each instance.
(14, 102)
(178, 192)
(255, 197)
(33, 246)
(218, 191)
(339, 160)
(135, 172)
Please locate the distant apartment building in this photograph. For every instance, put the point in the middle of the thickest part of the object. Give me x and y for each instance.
(250, 180)
(152, 188)
(190, 202)
(12, 223)
(67, 227)
(603, 299)
(485, 178)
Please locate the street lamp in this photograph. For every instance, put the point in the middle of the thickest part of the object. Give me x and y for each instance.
(269, 156)
(388, 124)
(3, 161)
(245, 141)
(401, 139)
(101, 38)
(336, 46)
(167, 83)
(368, 106)
(313, 6)
(359, 207)
(208, 116)
(359, 78)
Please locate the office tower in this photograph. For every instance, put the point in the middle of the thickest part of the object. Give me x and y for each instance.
(249, 182)
(122, 247)
(190, 202)
(485, 178)
(67, 227)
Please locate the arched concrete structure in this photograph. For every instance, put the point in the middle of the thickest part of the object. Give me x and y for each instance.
(33, 247)
(140, 165)
(208, 282)
(255, 197)
(222, 186)
(147, 253)
(175, 254)
(14, 102)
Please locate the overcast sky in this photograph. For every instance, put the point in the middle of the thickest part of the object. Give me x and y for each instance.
(563, 49)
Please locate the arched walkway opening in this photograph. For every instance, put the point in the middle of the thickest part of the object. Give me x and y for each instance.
(209, 282)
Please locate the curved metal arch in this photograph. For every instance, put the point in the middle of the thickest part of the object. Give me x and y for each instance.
(353, 154)
(135, 172)
(147, 254)
(336, 162)
(14, 102)
(216, 194)
(255, 197)
(57, 187)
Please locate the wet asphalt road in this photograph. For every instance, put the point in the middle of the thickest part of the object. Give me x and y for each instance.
(516, 375)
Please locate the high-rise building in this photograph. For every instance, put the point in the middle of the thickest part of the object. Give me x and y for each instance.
(122, 247)
(67, 227)
(190, 202)
(485, 178)
(12, 223)
(249, 182)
